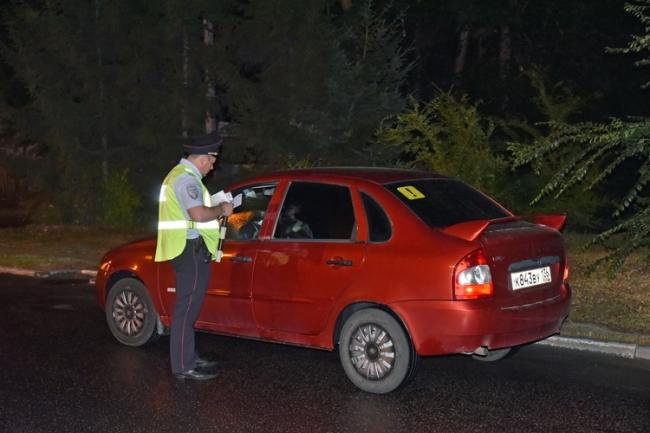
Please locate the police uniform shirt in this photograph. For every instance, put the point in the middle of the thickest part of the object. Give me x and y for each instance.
(189, 193)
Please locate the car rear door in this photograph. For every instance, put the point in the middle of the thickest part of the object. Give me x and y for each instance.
(311, 258)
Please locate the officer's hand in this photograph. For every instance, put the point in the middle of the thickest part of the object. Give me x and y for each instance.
(226, 208)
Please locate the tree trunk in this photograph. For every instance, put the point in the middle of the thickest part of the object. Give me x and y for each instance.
(210, 93)
(186, 83)
(505, 52)
(479, 36)
(365, 39)
(461, 57)
(101, 97)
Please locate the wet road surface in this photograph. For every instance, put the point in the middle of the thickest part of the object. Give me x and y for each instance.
(62, 371)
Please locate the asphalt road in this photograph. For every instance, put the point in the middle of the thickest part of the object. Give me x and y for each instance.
(62, 371)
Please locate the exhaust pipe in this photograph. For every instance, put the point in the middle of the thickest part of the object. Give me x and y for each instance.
(481, 351)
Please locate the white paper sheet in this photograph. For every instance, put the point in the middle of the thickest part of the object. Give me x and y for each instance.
(221, 196)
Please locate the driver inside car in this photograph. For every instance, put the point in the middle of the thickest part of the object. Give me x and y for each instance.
(290, 226)
(251, 229)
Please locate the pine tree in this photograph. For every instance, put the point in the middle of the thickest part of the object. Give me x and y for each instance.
(318, 82)
(372, 68)
(117, 85)
(113, 85)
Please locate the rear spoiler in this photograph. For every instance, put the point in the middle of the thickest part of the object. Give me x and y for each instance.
(554, 221)
(471, 230)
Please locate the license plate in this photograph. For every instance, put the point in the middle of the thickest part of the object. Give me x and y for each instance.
(530, 278)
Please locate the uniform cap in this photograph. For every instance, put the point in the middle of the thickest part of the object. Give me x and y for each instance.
(207, 144)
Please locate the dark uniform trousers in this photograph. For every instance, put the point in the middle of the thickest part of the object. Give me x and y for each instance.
(192, 269)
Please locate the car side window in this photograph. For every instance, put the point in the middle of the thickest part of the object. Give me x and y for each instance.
(316, 211)
(246, 220)
(379, 228)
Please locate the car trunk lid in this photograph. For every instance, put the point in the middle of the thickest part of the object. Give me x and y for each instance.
(526, 260)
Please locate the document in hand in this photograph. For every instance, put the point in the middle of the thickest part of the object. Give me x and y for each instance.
(222, 196)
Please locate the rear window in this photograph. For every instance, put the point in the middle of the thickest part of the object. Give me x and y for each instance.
(379, 229)
(445, 202)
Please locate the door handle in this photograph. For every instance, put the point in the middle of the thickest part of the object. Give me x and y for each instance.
(241, 259)
(339, 262)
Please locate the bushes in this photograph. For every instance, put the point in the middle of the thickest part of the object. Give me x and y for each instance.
(447, 136)
(120, 202)
(86, 199)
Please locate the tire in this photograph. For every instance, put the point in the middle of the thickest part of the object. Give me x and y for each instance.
(130, 314)
(495, 355)
(375, 351)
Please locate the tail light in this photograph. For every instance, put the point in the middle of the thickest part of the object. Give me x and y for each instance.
(565, 277)
(472, 278)
(565, 291)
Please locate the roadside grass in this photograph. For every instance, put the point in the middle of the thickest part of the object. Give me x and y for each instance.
(49, 247)
(620, 304)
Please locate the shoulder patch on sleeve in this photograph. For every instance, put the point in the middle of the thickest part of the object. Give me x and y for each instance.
(193, 191)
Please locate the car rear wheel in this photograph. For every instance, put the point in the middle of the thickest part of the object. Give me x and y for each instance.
(494, 355)
(375, 351)
(130, 313)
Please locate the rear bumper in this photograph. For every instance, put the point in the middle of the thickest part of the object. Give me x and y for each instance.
(446, 327)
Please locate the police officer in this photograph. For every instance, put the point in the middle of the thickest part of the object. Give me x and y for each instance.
(188, 233)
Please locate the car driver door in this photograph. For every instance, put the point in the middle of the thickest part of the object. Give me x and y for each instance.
(227, 307)
(228, 304)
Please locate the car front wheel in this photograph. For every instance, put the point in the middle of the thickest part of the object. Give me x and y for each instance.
(130, 313)
(375, 351)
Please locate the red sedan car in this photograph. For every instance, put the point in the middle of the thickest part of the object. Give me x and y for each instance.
(384, 265)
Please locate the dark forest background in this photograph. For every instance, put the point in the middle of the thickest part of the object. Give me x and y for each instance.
(517, 97)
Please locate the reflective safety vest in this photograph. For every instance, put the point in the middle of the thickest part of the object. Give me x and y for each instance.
(172, 225)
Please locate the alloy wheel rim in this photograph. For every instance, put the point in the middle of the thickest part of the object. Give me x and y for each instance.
(372, 351)
(129, 313)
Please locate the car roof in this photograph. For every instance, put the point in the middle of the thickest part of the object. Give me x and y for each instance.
(377, 175)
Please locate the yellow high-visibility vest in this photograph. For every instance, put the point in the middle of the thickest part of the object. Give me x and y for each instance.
(172, 225)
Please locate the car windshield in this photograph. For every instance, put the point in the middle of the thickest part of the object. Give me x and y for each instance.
(445, 202)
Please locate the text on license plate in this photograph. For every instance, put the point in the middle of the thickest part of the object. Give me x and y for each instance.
(531, 277)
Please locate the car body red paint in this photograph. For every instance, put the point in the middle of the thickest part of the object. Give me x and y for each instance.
(300, 291)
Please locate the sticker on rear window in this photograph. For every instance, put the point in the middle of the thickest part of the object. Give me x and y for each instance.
(410, 192)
